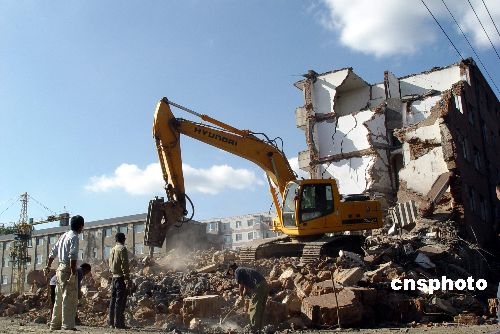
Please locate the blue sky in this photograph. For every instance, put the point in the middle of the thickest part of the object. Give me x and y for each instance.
(79, 81)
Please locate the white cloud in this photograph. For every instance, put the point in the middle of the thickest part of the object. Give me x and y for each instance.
(219, 177)
(136, 181)
(130, 178)
(390, 27)
(470, 25)
(294, 163)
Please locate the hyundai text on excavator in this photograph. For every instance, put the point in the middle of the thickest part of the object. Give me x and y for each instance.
(306, 209)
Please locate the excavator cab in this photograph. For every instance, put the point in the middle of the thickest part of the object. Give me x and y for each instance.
(305, 202)
(306, 205)
(315, 207)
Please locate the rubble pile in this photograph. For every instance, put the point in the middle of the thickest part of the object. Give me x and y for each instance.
(191, 291)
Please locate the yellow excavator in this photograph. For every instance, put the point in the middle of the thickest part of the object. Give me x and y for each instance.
(307, 210)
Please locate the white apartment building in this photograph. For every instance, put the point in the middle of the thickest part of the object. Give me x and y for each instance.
(238, 231)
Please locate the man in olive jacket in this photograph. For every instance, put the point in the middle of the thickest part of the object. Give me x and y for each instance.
(118, 265)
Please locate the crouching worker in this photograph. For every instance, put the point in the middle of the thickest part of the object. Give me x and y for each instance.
(252, 284)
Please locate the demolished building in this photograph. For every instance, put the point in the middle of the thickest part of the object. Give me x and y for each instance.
(408, 138)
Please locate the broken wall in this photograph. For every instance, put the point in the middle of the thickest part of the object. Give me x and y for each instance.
(397, 138)
(346, 134)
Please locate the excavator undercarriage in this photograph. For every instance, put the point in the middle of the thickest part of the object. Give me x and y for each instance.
(308, 249)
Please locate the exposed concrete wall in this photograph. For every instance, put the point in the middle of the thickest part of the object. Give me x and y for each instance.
(416, 111)
(325, 89)
(438, 79)
(377, 95)
(350, 101)
(397, 137)
(345, 132)
(421, 173)
(368, 173)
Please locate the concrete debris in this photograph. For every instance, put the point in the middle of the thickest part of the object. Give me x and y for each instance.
(467, 319)
(211, 268)
(201, 306)
(195, 324)
(190, 291)
(350, 259)
(323, 310)
(36, 277)
(349, 277)
(492, 306)
(424, 261)
(432, 251)
(444, 305)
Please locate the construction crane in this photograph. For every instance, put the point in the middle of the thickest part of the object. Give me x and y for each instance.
(23, 230)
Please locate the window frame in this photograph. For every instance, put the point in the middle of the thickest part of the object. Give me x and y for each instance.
(327, 210)
(53, 238)
(141, 230)
(138, 246)
(108, 249)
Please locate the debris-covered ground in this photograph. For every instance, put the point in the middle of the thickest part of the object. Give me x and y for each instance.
(15, 325)
(189, 291)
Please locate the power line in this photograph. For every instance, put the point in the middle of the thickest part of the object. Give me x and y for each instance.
(38, 202)
(489, 39)
(473, 50)
(491, 17)
(443, 30)
(16, 199)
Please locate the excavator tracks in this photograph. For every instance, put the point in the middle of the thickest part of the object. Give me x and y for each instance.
(312, 251)
(267, 248)
(308, 251)
(330, 246)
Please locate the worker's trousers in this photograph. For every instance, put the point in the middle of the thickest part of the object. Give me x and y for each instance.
(66, 301)
(118, 302)
(498, 307)
(258, 299)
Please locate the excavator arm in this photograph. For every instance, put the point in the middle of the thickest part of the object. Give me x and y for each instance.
(167, 130)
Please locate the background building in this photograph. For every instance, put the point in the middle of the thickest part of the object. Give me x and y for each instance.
(237, 231)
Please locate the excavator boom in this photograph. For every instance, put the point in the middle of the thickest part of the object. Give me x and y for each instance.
(167, 130)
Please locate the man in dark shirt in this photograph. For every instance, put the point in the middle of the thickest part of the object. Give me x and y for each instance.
(252, 284)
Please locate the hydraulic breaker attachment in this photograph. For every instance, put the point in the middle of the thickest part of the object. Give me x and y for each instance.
(161, 216)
